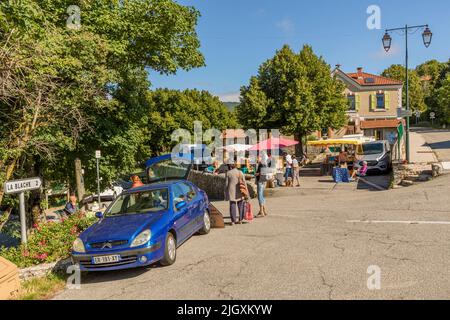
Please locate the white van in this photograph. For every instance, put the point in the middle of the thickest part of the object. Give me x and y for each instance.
(377, 154)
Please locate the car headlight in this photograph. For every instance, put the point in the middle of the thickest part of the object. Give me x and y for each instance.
(142, 238)
(78, 246)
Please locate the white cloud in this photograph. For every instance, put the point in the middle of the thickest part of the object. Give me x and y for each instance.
(229, 96)
(286, 25)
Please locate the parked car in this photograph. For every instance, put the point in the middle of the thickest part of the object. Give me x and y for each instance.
(377, 154)
(142, 226)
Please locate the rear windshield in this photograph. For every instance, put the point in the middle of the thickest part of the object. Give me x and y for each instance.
(372, 148)
(140, 202)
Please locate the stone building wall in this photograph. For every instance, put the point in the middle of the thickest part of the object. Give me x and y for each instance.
(214, 184)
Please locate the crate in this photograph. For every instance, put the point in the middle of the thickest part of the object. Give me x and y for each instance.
(9, 279)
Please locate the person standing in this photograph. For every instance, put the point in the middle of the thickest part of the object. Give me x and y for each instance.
(296, 172)
(288, 173)
(233, 194)
(261, 180)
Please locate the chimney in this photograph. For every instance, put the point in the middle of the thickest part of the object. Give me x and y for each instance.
(360, 72)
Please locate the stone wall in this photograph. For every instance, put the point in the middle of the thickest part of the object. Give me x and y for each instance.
(408, 174)
(214, 184)
(44, 269)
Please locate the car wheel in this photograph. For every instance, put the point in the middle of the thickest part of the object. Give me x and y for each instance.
(206, 223)
(170, 251)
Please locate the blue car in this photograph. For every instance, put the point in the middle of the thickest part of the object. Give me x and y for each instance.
(144, 225)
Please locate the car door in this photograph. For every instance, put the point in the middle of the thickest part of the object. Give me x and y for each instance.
(181, 216)
(193, 207)
(197, 210)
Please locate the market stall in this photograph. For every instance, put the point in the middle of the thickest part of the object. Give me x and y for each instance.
(336, 153)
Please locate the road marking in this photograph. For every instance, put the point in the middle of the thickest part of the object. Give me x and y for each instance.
(399, 222)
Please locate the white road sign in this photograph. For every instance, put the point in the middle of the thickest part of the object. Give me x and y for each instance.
(18, 186)
(432, 115)
(404, 113)
(98, 154)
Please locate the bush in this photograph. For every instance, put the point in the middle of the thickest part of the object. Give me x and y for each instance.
(49, 242)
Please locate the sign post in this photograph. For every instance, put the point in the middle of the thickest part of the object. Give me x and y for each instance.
(19, 187)
(98, 156)
(417, 114)
(432, 117)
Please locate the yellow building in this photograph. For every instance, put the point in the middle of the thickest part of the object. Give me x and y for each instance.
(374, 103)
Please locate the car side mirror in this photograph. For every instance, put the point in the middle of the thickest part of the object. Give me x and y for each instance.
(180, 205)
(99, 215)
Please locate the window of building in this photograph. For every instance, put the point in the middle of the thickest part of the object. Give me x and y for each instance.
(351, 102)
(380, 101)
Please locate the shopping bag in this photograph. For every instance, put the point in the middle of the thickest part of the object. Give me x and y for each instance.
(248, 211)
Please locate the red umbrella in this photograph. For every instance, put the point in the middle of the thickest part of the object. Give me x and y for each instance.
(273, 143)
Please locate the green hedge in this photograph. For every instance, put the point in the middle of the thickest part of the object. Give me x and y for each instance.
(48, 242)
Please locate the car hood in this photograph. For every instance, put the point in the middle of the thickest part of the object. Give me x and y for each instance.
(119, 228)
(372, 157)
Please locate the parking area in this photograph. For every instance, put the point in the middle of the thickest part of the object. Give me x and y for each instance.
(316, 243)
(374, 182)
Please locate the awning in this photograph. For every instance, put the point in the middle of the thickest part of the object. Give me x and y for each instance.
(274, 143)
(334, 142)
(380, 124)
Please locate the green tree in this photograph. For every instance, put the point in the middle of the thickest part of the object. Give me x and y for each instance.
(443, 101)
(294, 93)
(432, 74)
(416, 93)
(170, 110)
(64, 92)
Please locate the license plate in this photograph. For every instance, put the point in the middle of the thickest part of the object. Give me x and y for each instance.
(106, 259)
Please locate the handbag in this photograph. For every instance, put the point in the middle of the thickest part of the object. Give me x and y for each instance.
(248, 211)
(243, 188)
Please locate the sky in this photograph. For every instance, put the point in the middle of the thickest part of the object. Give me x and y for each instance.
(237, 36)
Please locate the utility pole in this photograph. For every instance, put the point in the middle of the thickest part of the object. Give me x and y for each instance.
(408, 152)
(97, 157)
(79, 179)
(426, 36)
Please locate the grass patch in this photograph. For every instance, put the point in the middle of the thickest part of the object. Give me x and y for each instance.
(42, 288)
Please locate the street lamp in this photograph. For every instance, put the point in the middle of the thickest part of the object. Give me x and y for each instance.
(387, 40)
(427, 35)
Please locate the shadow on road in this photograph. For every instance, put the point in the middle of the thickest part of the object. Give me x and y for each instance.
(440, 145)
(108, 276)
(374, 183)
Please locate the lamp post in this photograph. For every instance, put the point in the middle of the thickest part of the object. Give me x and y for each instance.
(427, 35)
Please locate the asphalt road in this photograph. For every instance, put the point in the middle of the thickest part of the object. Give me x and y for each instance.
(316, 244)
(437, 140)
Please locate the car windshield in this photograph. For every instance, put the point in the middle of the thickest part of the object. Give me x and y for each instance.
(372, 148)
(140, 202)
